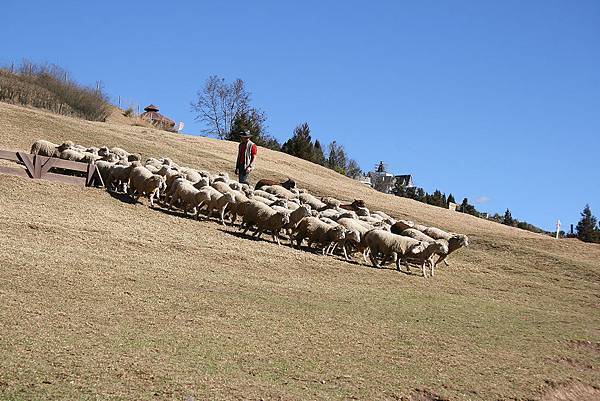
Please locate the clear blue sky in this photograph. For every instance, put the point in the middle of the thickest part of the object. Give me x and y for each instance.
(498, 101)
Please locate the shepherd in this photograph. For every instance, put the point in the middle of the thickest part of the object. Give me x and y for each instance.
(245, 158)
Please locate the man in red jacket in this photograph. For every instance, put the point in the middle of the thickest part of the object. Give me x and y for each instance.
(245, 157)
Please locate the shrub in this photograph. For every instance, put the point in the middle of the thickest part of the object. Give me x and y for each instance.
(48, 87)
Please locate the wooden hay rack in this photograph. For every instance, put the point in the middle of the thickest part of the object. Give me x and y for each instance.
(38, 167)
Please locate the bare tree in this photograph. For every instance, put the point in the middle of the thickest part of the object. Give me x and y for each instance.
(219, 103)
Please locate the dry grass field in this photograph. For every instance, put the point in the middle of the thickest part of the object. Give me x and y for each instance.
(104, 299)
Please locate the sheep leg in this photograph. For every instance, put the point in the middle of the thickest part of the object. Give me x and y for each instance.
(374, 261)
(365, 254)
(345, 253)
(276, 239)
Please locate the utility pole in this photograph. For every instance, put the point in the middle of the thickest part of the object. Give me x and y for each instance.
(557, 228)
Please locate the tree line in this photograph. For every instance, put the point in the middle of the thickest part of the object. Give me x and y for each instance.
(226, 111)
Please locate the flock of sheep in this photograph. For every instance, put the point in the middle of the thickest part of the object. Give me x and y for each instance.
(278, 209)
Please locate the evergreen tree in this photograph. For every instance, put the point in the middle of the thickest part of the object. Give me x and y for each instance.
(318, 154)
(450, 199)
(586, 228)
(420, 195)
(337, 159)
(465, 207)
(508, 220)
(300, 144)
(251, 120)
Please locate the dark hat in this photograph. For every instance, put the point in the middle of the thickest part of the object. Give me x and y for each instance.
(245, 134)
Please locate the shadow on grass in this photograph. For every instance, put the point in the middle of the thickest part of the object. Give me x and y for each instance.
(123, 197)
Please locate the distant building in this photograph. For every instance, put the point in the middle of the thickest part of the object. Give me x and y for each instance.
(152, 115)
(385, 182)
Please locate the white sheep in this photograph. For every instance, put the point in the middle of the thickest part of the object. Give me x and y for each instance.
(120, 152)
(219, 204)
(317, 232)
(221, 186)
(280, 191)
(184, 193)
(391, 246)
(264, 194)
(44, 148)
(265, 219)
(118, 175)
(143, 182)
(311, 200)
(425, 257)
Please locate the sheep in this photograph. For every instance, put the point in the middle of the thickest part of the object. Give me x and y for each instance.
(415, 234)
(222, 187)
(265, 219)
(383, 215)
(331, 203)
(220, 204)
(374, 221)
(118, 174)
(144, 182)
(44, 148)
(221, 177)
(103, 151)
(134, 157)
(111, 158)
(315, 231)
(232, 208)
(401, 225)
(191, 175)
(347, 215)
(184, 193)
(329, 213)
(288, 184)
(153, 162)
(455, 242)
(203, 198)
(311, 200)
(295, 217)
(425, 257)
(260, 199)
(104, 169)
(329, 221)
(77, 156)
(264, 194)
(360, 229)
(391, 245)
(437, 233)
(279, 191)
(419, 227)
(203, 182)
(120, 152)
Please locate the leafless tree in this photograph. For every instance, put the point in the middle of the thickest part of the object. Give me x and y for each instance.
(218, 104)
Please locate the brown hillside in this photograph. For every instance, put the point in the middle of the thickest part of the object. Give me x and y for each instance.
(106, 299)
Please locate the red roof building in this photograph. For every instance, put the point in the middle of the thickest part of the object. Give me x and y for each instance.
(152, 115)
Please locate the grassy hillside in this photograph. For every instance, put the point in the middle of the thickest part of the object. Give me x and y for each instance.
(104, 299)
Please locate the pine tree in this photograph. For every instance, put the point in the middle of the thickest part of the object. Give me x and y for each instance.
(337, 159)
(318, 154)
(508, 220)
(450, 199)
(252, 120)
(300, 144)
(586, 228)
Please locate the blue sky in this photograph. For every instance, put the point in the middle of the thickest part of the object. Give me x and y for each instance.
(497, 101)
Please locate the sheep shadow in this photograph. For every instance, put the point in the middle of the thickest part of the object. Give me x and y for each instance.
(173, 212)
(123, 197)
(240, 234)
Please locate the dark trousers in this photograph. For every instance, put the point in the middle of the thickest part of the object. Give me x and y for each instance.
(243, 176)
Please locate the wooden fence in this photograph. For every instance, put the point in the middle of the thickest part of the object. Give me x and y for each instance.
(38, 167)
